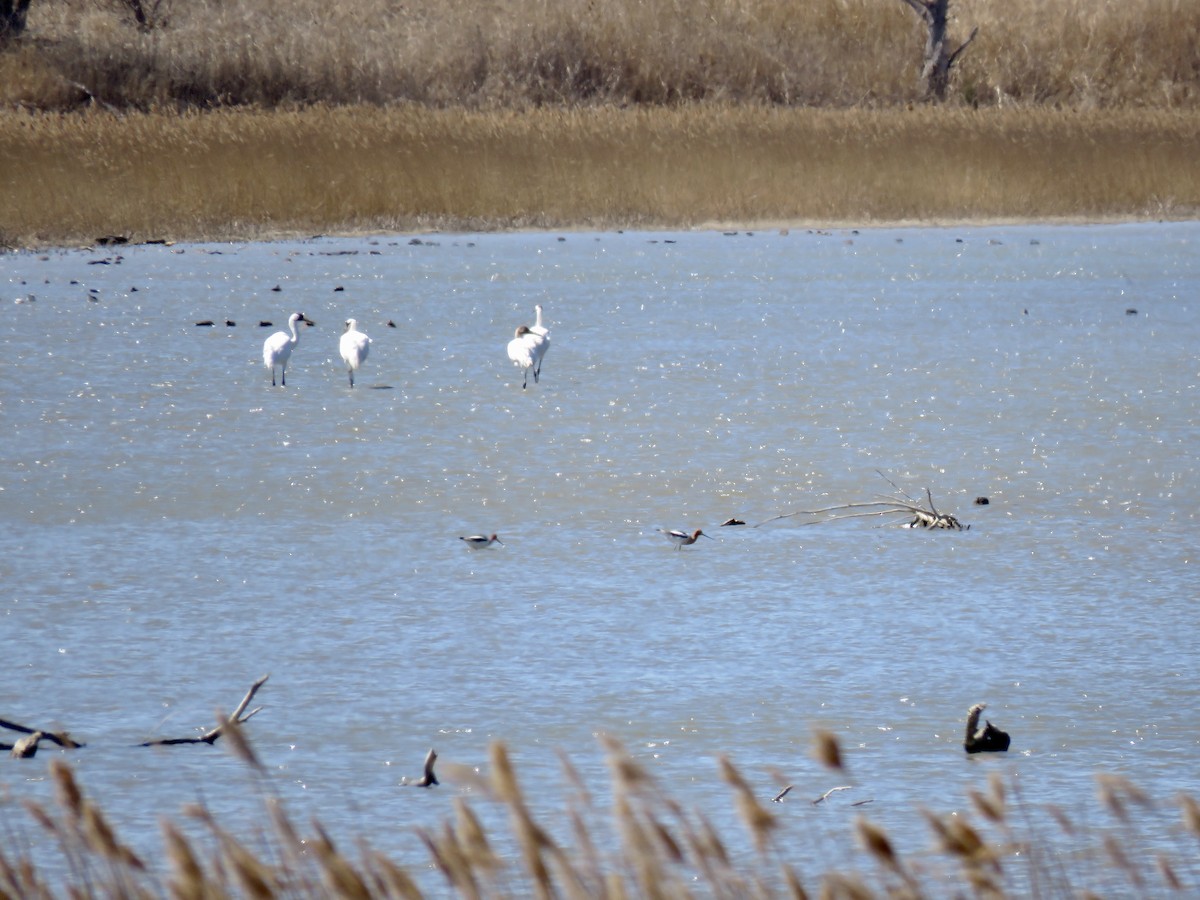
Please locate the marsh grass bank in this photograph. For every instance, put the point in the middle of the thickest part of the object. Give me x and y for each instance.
(253, 173)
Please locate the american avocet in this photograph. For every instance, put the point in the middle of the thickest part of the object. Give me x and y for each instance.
(523, 350)
(539, 352)
(682, 539)
(277, 349)
(478, 541)
(354, 347)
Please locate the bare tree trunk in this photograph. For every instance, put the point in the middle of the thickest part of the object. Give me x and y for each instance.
(935, 73)
(12, 18)
(147, 14)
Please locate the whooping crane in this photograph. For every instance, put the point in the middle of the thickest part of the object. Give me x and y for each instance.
(524, 351)
(277, 349)
(540, 352)
(354, 346)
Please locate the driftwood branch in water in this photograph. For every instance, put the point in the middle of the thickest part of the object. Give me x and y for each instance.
(239, 717)
(921, 517)
(27, 746)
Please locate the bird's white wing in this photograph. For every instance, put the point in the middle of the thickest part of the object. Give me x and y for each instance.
(520, 351)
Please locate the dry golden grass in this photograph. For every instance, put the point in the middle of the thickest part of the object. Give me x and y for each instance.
(641, 843)
(245, 173)
(514, 53)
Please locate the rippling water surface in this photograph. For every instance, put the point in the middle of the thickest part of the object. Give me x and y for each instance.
(174, 527)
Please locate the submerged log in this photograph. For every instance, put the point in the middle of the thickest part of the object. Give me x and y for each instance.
(27, 746)
(988, 739)
(923, 519)
(239, 717)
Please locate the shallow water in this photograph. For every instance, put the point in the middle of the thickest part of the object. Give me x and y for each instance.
(173, 527)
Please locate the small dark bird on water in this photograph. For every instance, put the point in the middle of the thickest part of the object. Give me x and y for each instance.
(987, 739)
(427, 779)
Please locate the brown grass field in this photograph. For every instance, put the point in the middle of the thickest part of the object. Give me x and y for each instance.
(512, 54)
(255, 118)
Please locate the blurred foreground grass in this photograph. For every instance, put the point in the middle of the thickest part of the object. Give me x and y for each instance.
(638, 842)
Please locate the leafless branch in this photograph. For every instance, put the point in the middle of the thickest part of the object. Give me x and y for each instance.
(240, 717)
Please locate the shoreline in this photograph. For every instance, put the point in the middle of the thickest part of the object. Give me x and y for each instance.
(775, 226)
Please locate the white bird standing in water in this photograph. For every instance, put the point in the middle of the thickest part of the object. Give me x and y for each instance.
(277, 349)
(354, 346)
(540, 352)
(524, 350)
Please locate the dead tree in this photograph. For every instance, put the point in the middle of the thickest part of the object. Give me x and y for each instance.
(917, 515)
(988, 739)
(148, 14)
(27, 746)
(12, 19)
(239, 717)
(935, 71)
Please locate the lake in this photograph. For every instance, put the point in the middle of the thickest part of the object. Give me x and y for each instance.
(174, 527)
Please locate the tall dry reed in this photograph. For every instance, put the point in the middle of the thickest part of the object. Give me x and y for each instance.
(250, 173)
(640, 843)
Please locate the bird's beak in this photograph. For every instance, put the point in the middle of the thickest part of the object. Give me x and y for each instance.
(709, 536)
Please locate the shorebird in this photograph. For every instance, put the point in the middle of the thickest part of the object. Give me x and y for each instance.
(525, 350)
(682, 539)
(354, 347)
(478, 541)
(277, 349)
